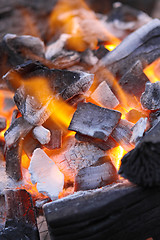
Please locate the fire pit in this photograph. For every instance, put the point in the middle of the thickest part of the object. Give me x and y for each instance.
(79, 124)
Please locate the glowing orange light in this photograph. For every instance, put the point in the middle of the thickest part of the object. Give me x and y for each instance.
(151, 73)
(116, 155)
(25, 161)
(110, 47)
(76, 19)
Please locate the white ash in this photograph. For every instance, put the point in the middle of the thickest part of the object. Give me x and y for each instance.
(104, 96)
(46, 174)
(138, 130)
(56, 47)
(42, 134)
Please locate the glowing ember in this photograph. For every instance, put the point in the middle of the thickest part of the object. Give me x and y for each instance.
(116, 155)
(153, 71)
(110, 47)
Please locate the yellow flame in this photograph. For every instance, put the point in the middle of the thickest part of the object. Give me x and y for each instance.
(60, 111)
(116, 155)
(110, 47)
(150, 71)
(75, 18)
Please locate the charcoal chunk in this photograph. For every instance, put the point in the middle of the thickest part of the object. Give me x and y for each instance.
(104, 145)
(92, 120)
(13, 155)
(122, 134)
(104, 96)
(30, 144)
(138, 130)
(141, 44)
(150, 99)
(154, 118)
(95, 176)
(20, 215)
(42, 134)
(75, 155)
(141, 165)
(134, 80)
(21, 48)
(16, 131)
(3, 123)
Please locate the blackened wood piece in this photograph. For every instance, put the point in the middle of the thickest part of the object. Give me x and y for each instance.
(122, 211)
(150, 99)
(104, 145)
(154, 118)
(101, 52)
(14, 115)
(13, 160)
(95, 176)
(142, 165)
(92, 120)
(21, 214)
(17, 130)
(55, 140)
(30, 144)
(134, 80)
(22, 48)
(62, 82)
(142, 44)
(122, 134)
(3, 123)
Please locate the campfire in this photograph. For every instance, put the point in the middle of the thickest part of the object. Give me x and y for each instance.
(79, 126)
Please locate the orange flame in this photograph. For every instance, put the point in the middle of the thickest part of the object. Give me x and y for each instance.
(76, 19)
(153, 71)
(116, 155)
(111, 47)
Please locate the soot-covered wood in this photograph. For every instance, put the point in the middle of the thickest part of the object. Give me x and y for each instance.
(20, 219)
(120, 211)
(142, 165)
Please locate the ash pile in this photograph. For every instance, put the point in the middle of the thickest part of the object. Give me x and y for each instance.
(81, 128)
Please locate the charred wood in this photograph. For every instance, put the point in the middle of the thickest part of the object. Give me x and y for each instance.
(42, 134)
(16, 131)
(134, 80)
(150, 99)
(3, 123)
(104, 145)
(110, 213)
(21, 48)
(20, 220)
(92, 120)
(13, 155)
(142, 44)
(122, 134)
(95, 176)
(74, 156)
(141, 165)
(30, 144)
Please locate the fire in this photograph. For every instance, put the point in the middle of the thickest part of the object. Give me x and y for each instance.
(76, 19)
(153, 71)
(116, 155)
(61, 112)
(110, 47)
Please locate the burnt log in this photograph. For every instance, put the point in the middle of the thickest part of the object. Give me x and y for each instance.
(30, 144)
(142, 44)
(92, 120)
(21, 219)
(141, 165)
(120, 211)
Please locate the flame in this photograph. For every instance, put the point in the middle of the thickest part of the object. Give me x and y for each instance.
(116, 155)
(75, 18)
(152, 71)
(61, 112)
(7, 126)
(111, 47)
(25, 161)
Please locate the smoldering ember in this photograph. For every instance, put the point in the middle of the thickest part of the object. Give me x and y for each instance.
(79, 122)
